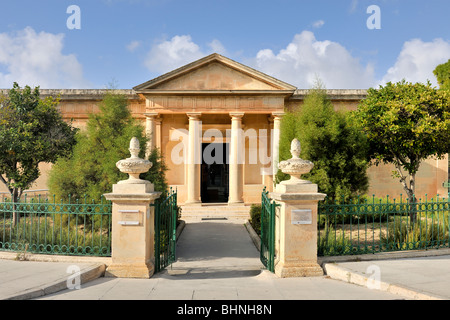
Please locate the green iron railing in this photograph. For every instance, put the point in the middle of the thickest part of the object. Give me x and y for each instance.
(381, 225)
(44, 226)
(267, 252)
(165, 230)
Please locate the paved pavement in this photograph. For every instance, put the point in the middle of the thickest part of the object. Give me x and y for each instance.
(217, 260)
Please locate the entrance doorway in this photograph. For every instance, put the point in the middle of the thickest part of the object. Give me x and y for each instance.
(214, 173)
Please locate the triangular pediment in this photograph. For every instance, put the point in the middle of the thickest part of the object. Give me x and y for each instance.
(214, 73)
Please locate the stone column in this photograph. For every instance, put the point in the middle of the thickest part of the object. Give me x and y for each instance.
(133, 234)
(150, 132)
(277, 116)
(194, 159)
(236, 160)
(296, 245)
(158, 142)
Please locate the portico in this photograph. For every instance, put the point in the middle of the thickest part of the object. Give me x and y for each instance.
(216, 100)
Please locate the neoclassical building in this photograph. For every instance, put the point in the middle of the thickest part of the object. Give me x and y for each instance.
(216, 122)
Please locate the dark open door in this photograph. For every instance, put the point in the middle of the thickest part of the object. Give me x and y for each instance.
(214, 173)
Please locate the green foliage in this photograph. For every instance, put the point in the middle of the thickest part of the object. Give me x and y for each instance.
(91, 169)
(32, 131)
(331, 244)
(405, 123)
(255, 218)
(426, 233)
(442, 73)
(156, 174)
(331, 141)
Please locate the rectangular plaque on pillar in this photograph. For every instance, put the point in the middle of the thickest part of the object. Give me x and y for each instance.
(301, 216)
(130, 218)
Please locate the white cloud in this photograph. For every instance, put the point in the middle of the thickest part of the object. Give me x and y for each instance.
(305, 59)
(353, 6)
(172, 54)
(318, 24)
(133, 45)
(217, 47)
(417, 60)
(36, 59)
(300, 63)
(177, 52)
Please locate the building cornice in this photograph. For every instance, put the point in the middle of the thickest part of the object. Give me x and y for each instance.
(215, 92)
(81, 94)
(333, 94)
(98, 94)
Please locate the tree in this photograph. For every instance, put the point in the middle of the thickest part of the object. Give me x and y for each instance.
(91, 169)
(330, 140)
(32, 131)
(405, 124)
(442, 73)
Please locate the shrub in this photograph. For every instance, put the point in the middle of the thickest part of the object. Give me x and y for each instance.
(329, 139)
(404, 235)
(330, 244)
(91, 169)
(255, 218)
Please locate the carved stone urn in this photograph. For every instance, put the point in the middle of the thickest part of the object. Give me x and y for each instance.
(295, 166)
(134, 165)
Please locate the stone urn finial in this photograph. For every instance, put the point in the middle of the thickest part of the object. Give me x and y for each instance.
(296, 149)
(295, 166)
(134, 165)
(134, 148)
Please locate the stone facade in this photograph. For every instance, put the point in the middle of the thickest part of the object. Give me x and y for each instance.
(216, 102)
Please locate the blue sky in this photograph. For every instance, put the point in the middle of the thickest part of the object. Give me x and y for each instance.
(128, 42)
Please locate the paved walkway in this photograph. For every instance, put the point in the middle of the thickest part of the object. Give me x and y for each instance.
(218, 260)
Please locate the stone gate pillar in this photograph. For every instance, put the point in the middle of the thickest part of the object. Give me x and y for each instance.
(296, 220)
(133, 237)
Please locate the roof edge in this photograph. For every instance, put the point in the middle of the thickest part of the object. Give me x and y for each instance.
(208, 59)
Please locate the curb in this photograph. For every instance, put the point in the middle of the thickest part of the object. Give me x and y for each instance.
(385, 256)
(53, 258)
(255, 238)
(346, 275)
(180, 229)
(88, 273)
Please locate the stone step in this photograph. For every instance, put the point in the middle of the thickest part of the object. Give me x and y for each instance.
(219, 212)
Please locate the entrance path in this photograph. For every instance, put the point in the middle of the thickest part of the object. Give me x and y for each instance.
(217, 260)
(215, 249)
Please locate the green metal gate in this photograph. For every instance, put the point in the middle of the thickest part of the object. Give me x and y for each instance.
(267, 252)
(165, 231)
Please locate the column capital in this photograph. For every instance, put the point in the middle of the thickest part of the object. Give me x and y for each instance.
(236, 115)
(158, 120)
(194, 115)
(278, 115)
(151, 115)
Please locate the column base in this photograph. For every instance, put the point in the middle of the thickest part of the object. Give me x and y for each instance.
(298, 270)
(236, 203)
(140, 271)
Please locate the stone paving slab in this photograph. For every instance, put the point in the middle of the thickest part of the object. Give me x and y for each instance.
(22, 280)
